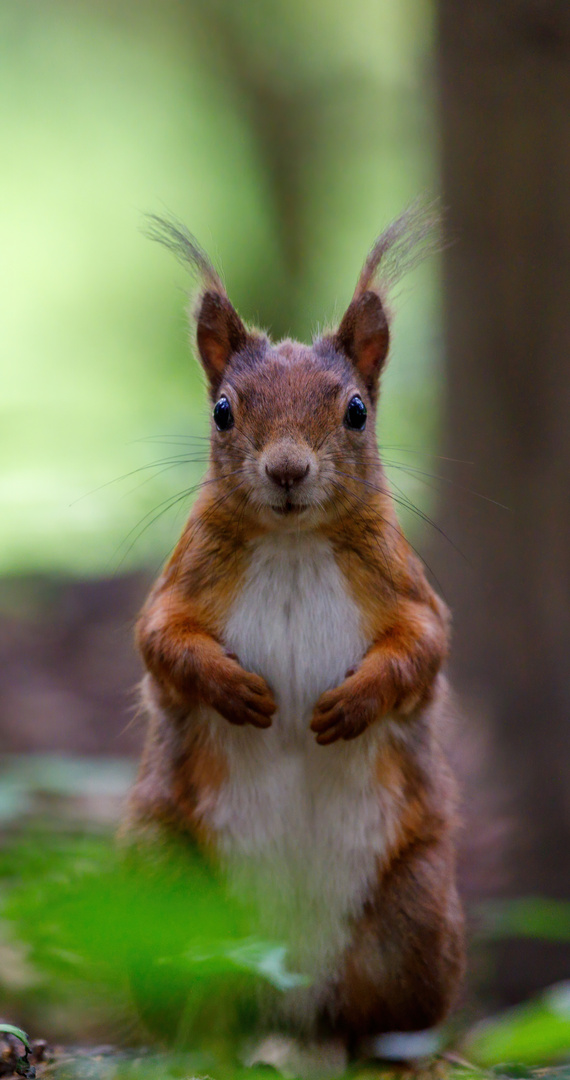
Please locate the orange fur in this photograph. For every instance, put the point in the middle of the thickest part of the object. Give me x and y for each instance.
(412, 925)
(179, 629)
(290, 463)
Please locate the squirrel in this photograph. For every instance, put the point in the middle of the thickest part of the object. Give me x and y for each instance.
(294, 688)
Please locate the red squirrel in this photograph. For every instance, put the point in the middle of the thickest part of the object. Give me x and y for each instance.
(294, 687)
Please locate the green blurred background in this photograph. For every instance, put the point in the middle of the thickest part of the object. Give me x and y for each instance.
(286, 135)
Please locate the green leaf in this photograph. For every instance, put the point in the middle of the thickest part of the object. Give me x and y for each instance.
(531, 916)
(157, 928)
(9, 1029)
(262, 958)
(534, 1033)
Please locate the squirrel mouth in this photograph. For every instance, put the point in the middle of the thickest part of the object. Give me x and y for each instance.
(289, 508)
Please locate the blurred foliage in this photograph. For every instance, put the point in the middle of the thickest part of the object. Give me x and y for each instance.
(530, 916)
(90, 943)
(108, 928)
(534, 1033)
(193, 965)
(286, 135)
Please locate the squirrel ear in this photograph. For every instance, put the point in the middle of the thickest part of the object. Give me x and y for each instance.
(364, 337)
(219, 332)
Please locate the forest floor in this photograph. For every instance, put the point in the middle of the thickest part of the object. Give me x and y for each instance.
(109, 1063)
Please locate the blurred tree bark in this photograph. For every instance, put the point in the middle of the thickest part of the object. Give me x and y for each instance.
(504, 71)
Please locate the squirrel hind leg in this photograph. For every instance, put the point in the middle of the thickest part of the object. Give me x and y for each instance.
(404, 966)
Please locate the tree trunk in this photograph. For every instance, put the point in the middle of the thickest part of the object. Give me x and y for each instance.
(505, 111)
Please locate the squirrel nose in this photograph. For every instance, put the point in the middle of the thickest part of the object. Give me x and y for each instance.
(287, 473)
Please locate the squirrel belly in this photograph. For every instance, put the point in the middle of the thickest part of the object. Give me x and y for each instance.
(301, 829)
(298, 826)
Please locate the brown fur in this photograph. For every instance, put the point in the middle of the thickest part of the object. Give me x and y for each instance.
(288, 402)
(406, 958)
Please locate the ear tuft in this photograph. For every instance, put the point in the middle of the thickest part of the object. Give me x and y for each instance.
(364, 333)
(411, 238)
(172, 234)
(219, 329)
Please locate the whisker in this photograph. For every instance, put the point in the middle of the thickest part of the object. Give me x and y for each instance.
(149, 479)
(397, 529)
(172, 437)
(215, 505)
(404, 501)
(426, 453)
(419, 473)
(247, 438)
(352, 496)
(161, 509)
(204, 517)
(141, 468)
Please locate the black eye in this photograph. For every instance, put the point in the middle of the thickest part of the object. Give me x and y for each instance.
(223, 416)
(355, 415)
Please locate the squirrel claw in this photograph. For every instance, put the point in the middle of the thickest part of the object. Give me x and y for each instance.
(344, 729)
(340, 714)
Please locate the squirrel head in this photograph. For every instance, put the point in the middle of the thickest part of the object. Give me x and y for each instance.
(293, 426)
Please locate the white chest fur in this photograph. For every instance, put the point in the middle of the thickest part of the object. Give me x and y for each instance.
(299, 825)
(296, 624)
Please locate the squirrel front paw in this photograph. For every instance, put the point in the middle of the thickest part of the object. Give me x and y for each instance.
(346, 711)
(367, 694)
(241, 696)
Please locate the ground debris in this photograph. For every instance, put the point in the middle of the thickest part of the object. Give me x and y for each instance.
(14, 1063)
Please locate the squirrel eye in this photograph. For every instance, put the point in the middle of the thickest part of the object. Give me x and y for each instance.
(223, 416)
(355, 415)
